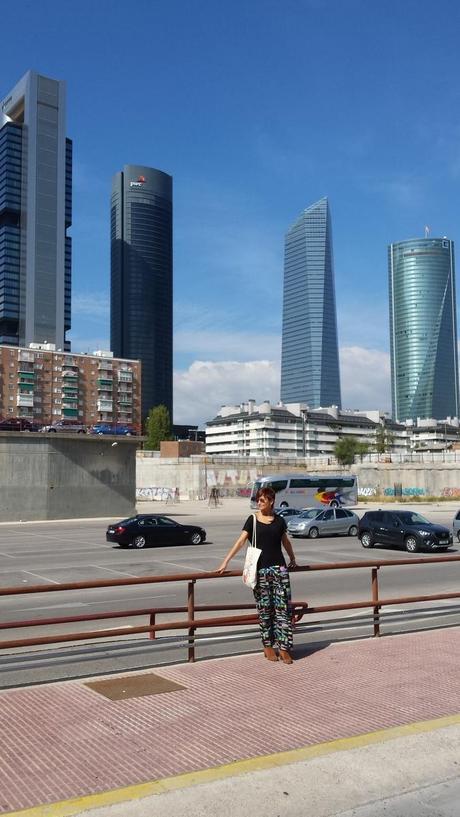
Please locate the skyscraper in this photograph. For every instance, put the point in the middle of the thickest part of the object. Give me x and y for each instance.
(309, 355)
(35, 213)
(141, 278)
(423, 331)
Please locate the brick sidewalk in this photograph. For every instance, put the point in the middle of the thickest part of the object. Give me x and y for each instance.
(65, 740)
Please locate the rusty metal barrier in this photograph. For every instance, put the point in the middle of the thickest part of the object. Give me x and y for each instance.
(190, 624)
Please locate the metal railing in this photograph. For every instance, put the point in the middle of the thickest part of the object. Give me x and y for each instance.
(191, 623)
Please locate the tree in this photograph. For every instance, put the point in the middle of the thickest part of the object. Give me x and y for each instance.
(346, 448)
(157, 427)
(383, 439)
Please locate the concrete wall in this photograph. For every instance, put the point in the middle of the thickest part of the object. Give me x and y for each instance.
(51, 476)
(194, 476)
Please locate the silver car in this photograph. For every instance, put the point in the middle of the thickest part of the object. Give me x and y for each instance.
(326, 523)
(456, 526)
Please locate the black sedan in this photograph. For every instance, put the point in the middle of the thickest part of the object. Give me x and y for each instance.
(153, 529)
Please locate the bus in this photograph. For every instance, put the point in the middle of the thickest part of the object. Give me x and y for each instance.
(309, 490)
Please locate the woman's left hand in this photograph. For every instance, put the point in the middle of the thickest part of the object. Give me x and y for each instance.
(292, 564)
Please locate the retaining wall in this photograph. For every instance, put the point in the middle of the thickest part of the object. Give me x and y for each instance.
(156, 477)
(50, 476)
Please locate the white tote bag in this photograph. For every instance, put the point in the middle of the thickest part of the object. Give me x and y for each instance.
(252, 557)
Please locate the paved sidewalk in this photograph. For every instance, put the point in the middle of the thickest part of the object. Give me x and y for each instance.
(68, 742)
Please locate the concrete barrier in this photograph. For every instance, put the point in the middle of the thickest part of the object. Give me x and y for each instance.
(62, 476)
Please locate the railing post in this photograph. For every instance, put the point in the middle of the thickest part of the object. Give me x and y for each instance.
(191, 617)
(375, 599)
(152, 633)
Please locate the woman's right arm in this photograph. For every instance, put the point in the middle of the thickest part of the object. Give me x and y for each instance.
(242, 538)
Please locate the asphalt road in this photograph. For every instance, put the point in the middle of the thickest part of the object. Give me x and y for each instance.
(56, 552)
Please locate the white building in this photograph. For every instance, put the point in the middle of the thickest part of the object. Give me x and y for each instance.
(294, 430)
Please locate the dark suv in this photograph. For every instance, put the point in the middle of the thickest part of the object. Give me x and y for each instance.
(406, 529)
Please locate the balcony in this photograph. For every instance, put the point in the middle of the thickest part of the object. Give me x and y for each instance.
(103, 384)
(125, 399)
(69, 412)
(125, 377)
(25, 400)
(26, 357)
(105, 365)
(105, 405)
(69, 374)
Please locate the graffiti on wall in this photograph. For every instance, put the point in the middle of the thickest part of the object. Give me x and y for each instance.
(154, 493)
(227, 477)
(455, 492)
(405, 492)
(367, 491)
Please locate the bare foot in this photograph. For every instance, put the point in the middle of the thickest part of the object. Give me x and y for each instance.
(270, 653)
(285, 656)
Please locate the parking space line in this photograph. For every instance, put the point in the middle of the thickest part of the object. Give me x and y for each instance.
(8, 555)
(109, 569)
(44, 578)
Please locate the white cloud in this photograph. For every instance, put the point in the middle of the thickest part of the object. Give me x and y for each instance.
(200, 390)
(365, 375)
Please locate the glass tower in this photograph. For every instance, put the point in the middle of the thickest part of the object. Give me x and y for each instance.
(35, 214)
(141, 278)
(309, 355)
(423, 331)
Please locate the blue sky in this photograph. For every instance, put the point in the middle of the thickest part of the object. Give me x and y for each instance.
(257, 108)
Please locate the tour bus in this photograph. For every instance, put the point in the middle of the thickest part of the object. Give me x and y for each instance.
(309, 490)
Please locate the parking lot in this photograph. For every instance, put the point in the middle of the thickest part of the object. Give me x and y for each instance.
(76, 551)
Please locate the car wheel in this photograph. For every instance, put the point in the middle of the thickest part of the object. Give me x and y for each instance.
(203, 537)
(284, 505)
(313, 533)
(458, 536)
(334, 504)
(353, 531)
(53, 430)
(411, 544)
(367, 540)
(81, 431)
(195, 538)
(139, 542)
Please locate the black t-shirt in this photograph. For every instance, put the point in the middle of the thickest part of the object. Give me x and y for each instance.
(268, 539)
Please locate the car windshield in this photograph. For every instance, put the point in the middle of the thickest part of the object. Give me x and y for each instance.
(310, 513)
(413, 518)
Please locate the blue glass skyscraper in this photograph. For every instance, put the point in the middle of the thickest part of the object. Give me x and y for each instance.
(35, 213)
(423, 331)
(310, 356)
(141, 278)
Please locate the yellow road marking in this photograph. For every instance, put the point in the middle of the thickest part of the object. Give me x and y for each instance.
(68, 808)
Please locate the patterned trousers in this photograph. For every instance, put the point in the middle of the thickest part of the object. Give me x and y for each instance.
(273, 597)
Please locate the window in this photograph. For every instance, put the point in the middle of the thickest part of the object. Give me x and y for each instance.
(329, 514)
(340, 514)
(278, 485)
(163, 520)
(300, 483)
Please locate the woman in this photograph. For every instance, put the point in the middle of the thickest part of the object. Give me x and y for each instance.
(273, 590)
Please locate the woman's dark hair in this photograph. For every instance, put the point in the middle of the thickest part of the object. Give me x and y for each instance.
(266, 492)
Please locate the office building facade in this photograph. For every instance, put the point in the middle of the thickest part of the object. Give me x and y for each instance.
(35, 214)
(141, 278)
(309, 355)
(44, 385)
(423, 329)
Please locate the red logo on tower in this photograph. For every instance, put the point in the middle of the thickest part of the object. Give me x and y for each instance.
(139, 183)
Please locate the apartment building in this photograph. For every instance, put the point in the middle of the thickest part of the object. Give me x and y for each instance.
(294, 430)
(45, 385)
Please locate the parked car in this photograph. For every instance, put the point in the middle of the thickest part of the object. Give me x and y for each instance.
(324, 523)
(112, 428)
(153, 529)
(456, 525)
(287, 512)
(18, 424)
(404, 529)
(66, 426)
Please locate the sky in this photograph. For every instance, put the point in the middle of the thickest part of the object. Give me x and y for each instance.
(257, 108)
